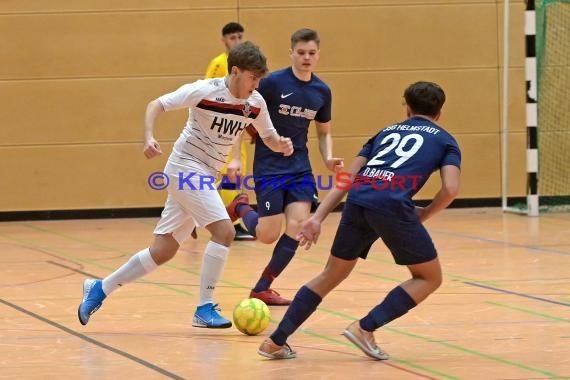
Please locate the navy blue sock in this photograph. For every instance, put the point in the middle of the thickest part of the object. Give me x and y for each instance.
(282, 254)
(249, 217)
(304, 304)
(396, 304)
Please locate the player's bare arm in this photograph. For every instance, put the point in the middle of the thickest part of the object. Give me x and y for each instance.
(450, 175)
(324, 135)
(151, 146)
(312, 226)
(278, 143)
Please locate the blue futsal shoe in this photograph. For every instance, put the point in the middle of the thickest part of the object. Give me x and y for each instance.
(207, 316)
(93, 297)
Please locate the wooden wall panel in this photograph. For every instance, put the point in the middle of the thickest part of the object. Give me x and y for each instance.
(375, 37)
(85, 110)
(61, 6)
(365, 101)
(244, 4)
(70, 177)
(75, 78)
(128, 44)
(516, 179)
(115, 175)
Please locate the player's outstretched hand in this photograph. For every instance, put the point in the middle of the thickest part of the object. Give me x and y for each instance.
(310, 232)
(233, 170)
(335, 164)
(286, 145)
(151, 148)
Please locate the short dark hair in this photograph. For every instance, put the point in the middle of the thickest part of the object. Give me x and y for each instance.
(424, 98)
(305, 35)
(232, 27)
(248, 56)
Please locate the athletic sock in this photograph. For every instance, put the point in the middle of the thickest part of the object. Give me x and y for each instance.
(213, 263)
(138, 265)
(249, 217)
(304, 304)
(397, 303)
(282, 254)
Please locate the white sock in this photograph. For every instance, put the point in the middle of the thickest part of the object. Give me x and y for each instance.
(213, 263)
(137, 266)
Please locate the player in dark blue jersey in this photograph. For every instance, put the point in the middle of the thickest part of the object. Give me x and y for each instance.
(391, 167)
(295, 96)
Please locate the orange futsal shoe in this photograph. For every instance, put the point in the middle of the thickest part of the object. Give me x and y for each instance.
(240, 199)
(270, 297)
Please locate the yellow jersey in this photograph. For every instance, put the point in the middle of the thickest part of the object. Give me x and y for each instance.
(218, 67)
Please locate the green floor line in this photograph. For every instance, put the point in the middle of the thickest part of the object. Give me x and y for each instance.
(84, 241)
(172, 266)
(197, 274)
(445, 274)
(346, 316)
(389, 279)
(450, 345)
(528, 311)
(392, 358)
(90, 262)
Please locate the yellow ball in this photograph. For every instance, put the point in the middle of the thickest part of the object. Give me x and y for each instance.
(251, 316)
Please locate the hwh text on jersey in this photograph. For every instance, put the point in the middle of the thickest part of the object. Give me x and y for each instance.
(227, 126)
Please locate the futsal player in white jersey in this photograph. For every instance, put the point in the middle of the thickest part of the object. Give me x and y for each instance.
(219, 111)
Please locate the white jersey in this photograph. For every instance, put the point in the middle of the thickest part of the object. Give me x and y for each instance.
(216, 119)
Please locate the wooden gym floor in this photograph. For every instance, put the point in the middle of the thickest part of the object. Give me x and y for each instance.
(503, 311)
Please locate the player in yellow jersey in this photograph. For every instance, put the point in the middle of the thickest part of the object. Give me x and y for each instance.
(232, 34)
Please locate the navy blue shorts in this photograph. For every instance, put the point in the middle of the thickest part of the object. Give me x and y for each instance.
(274, 193)
(359, 227)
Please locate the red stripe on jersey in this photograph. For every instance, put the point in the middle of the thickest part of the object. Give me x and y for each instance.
(228, 106)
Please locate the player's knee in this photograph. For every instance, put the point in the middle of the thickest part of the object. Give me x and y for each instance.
(163, 248)
(268, 230)
(431, 280)
(162, 254)
(268, 237)
(225, 236)
(223, 232)
(437, 281)
(293, 227)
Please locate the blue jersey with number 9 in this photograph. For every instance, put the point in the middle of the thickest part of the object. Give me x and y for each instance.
(400, 159)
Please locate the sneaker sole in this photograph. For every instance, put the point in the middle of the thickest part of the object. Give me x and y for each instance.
(204, 326)
(350, 336)
(272, 357)
(82, 300)
(245, 238)
(79, 316)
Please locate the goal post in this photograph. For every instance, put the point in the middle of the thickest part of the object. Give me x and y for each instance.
(547, 75)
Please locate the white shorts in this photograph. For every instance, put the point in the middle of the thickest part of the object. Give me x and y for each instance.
(187, 208)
